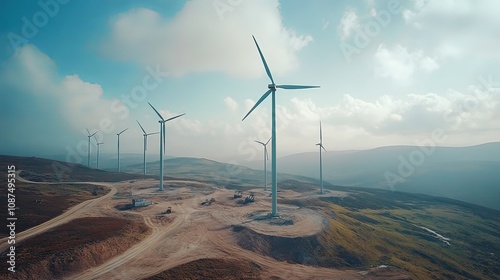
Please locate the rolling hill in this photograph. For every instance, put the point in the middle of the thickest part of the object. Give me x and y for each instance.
(421, 236)
(225, 174)
(469, 174)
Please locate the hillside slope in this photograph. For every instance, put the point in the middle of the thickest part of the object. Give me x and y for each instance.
(469, 174)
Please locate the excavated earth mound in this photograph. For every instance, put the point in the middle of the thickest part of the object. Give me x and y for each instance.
(212, 269)
(301, 250)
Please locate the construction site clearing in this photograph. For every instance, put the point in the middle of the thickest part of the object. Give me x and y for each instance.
(184, 230)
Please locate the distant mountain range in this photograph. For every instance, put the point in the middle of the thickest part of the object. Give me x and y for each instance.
(470, 174)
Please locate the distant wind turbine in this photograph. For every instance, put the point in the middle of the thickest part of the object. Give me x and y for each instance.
(162, 140)
(118, 134)
(272, 89)
(266, 158)
(145, 143)
(98, 146)
(320, 144)
(88, 155)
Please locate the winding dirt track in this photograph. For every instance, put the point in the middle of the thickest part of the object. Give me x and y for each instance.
(130, 254)
(191, 232)
(65, 217)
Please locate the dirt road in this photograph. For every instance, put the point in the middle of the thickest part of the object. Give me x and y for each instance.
(65, 217)
(193, 231)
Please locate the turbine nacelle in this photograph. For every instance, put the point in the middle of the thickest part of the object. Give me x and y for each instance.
(271, 87)
(321, 146)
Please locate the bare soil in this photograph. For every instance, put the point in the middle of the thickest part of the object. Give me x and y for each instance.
(195, 232)
(211, 269)
(39, 203)
(192, 236)
(77, 245)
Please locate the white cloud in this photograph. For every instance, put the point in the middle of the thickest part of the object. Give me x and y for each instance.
(249, 104)
(355, 122)
(459, 28)
(144, 36)
(306, 109)
(231, 103)
(397, 64)
(30, 63)
(400, 64)
(447, 10)
(65, 106)
(326, 24)
(190, 127)
(79, 103)
(349, 23)
(449, 50)
(408, 16)
(428, 64)
(409, 116)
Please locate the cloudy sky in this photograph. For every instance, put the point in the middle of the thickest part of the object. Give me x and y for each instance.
(391, 73)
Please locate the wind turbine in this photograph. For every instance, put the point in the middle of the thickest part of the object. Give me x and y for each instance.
(162, 140)
(272, 89)
(266, 158)
(98, 145)
(88, 155)
(320, 144)
(118, 134)
(145, 143)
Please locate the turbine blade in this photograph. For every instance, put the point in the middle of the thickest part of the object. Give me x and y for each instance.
(97, 142)
(269, 140)
(295, 86)
(141, 126)
(159, 115)
(257, 104)
(175, 117)
(122, 131)
(88, 131)
(145, 142)
(267, 155)
(153, 133)
(263, 61)
(322, 147)
(94, 133)
(320, 133)
(259, 142)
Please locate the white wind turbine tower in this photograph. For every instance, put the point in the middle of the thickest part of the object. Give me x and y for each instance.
(98, 146)
(118, 134)
(272, 90)
(266, 158)
(162, 140)
(88, 154)
(320, 144)
(145, 143)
